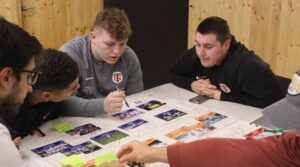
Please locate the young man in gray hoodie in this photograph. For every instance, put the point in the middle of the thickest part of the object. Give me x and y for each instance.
(108, 67)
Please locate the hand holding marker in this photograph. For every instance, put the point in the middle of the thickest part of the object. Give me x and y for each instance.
(118, 89)
(117, 78)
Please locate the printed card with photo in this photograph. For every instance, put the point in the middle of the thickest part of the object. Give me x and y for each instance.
(85, 148)
(108, 137)
(200, 131)
(178, 133)
(151, 105)
(133, 124)
(170, 115)
(52, 148)
(154, 143)
(190, 133)
(83, 129)
(211, 118)
(127, 114)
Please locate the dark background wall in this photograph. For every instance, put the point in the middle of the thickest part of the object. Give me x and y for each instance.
(160, 29)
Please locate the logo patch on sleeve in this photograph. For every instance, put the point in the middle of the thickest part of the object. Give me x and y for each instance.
(224, 88)
(294, 87)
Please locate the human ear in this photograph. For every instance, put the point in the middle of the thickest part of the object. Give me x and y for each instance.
(6, 75)
(227, 44)
(92, 35)
(46, 96)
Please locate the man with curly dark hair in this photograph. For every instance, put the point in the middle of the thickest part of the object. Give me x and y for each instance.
(106, 64)
(58, 80)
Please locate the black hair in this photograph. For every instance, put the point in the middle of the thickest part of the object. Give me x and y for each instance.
(57, 69)
(215, 25)
(17, 47)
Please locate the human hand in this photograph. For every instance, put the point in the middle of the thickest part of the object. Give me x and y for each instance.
(114, 101)
(205, 88)
(17, 141)
(214, 93)
(136, 151)
(133, 151)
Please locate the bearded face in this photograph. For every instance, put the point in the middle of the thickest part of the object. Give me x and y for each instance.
(11, 103)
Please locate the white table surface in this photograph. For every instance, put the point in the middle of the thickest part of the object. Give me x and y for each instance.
(168, 93)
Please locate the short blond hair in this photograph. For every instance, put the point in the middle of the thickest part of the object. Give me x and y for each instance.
(115, 22)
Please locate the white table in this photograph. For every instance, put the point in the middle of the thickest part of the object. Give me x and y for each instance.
(170, 91)
(172, 95)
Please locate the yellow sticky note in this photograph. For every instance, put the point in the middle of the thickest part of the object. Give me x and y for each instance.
(105, 158)
(63, 127)
(73, 160)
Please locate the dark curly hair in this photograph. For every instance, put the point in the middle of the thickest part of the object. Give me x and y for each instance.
(17, 47)
(215, 25)
(57, 69)
(114, 21)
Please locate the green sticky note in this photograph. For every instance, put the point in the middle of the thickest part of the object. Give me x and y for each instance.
(63, 127)
(73, 160)
(105, 158)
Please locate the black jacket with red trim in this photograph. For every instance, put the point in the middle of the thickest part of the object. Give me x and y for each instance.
(244, 76)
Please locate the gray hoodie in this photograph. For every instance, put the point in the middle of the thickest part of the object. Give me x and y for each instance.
(97, 78)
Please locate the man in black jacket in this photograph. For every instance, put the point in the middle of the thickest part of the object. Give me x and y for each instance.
(221, 68)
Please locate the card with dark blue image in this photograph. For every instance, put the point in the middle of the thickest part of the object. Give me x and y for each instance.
(86, 148)
(52, 148)
(170, 115)
(133, 124)
(151, 105)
